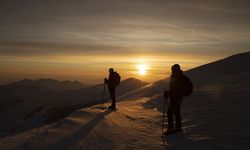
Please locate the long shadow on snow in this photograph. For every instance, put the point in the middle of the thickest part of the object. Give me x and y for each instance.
(177, 141)
(66, 143)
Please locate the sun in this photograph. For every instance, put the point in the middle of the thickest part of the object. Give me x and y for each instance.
(142, 69)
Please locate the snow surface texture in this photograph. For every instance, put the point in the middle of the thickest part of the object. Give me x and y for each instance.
(130, 127)
(216, 117)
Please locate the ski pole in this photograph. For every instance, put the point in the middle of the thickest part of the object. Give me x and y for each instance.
(103, 94)
(163, 114)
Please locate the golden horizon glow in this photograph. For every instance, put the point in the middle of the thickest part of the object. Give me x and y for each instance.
(91, 69)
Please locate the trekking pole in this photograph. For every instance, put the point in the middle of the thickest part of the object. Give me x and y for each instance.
(103, 94)
(163, 114)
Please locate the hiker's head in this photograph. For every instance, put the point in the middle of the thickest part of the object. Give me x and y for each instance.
(111, 70)
(176, 69)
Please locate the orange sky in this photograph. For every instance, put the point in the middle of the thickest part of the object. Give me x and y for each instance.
(92, 69)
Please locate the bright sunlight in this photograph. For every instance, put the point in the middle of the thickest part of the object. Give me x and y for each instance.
(142, 69)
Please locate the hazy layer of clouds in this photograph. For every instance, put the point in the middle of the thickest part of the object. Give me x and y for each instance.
(47, 36)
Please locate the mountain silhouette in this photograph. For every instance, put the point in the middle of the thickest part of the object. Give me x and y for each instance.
(46, 84)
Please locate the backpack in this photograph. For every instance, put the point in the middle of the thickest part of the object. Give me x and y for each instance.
(117, 79)
(188, 90)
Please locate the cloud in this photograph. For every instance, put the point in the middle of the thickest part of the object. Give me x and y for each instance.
(66, 32)
(141, 24)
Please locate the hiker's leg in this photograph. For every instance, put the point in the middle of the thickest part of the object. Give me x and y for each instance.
(177, 113)
(170, 116)
(178, 124)
(112, 96)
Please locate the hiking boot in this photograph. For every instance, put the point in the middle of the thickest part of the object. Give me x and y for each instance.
(169, 131)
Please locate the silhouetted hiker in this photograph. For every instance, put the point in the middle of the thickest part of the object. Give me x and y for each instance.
(113, 81)
(180, 86)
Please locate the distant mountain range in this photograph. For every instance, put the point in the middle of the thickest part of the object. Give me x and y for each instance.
(46, 84)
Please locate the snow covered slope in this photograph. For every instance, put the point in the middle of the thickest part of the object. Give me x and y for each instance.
(130, 127)
(28, 104)
(135, 125)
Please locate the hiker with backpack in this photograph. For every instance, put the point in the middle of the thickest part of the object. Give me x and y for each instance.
(113, 81)
(180, 86)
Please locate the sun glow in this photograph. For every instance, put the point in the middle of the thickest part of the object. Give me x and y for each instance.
(142, 69)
